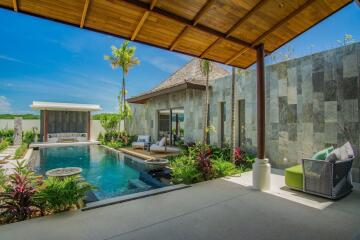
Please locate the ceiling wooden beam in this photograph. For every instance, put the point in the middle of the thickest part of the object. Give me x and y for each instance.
(246, 17)
(15, 5)
(202, 11)
(235, 26)
(140, 24)
(83, 17)
(271, 30)
(195, 21)
(143, 19)
(186, 22)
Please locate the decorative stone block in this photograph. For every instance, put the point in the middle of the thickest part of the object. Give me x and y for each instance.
(350, 88)
(292, 132)
(330, 113)
(350, 111)
(330, 89)
(350, 65)
(17, 131)
(330, 133)
(318, 81)
(292, 113)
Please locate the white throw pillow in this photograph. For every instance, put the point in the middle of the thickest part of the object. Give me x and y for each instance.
(162, 142)
(345, 151)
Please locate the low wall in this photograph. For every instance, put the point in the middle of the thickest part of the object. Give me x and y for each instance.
(28, 125)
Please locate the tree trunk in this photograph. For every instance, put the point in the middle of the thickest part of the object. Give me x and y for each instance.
(122, 107)
(232, 140)
(206, 112)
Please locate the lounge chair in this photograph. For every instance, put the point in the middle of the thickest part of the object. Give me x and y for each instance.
(142, 142)
(330, 177)
(160, 146)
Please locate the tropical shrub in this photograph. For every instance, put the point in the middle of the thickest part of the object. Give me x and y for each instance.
(110, 122)
(185, 170)
(28, 137)
(17, 203)
(20, 151)
(3, 144)
(3, 179)
(115, 139)
(203, 161)
(7, 134)
(223, 168)
(243, 159)
(222, 153)
(62, 194)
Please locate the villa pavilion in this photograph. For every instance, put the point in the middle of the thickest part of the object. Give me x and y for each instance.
(235, 33)
(239, 34)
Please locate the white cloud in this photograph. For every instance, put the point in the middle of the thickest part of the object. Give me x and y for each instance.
(7, 58)
(5, 106)
(162, 63)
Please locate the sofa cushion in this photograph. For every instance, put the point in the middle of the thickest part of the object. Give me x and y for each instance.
(321, 155)
(294, 177)
(162, 142)
(342, 153)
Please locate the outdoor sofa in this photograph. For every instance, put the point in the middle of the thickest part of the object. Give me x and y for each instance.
(141, 142)
(329, 177)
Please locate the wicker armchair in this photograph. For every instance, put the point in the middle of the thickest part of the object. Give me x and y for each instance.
(327, 179)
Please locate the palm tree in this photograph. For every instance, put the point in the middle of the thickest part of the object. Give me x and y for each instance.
(206, 67)
(124, 58)
(232, 139)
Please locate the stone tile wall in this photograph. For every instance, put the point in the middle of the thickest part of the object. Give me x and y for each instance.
(312, 102)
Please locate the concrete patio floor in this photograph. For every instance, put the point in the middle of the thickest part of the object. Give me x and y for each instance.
(219, 209)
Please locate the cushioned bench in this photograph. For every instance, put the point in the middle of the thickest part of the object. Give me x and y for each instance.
(294, 177)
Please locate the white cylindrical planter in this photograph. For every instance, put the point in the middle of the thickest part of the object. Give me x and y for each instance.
(261, 174)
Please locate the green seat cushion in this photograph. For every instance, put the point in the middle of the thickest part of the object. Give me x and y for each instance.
(321, 155)
(294, 177)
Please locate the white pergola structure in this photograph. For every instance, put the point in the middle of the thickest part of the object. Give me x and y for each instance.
(62, 118)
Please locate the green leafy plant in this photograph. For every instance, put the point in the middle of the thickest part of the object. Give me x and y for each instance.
(20, 151)
(28, 137)
(223, 168)
(110, 122)
(4, 144)
(185, 170)
(3, 179)
(203, 161)
(63, 194)
(7, 135)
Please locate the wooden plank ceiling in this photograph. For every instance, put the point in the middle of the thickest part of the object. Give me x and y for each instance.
(225, 31)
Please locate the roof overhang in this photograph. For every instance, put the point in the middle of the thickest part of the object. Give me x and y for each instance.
(144, 97)
(57, 106)
(222, 31)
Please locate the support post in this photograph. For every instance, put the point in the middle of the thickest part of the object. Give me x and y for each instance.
(89, 126)
(170, 126)
(261, 167)
(46, 125)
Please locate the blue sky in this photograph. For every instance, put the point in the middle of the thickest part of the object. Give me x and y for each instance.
(47, 61)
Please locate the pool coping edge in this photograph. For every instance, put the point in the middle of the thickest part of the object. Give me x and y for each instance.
(134, 196)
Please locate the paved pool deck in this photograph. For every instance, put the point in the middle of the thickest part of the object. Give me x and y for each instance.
(218, 209)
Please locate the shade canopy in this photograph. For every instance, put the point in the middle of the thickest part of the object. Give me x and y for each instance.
(56, 106)
(225, 31)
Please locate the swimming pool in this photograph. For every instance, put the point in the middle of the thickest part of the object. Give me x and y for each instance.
(113, 173)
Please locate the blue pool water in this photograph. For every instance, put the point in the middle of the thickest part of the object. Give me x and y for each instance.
(109, 171)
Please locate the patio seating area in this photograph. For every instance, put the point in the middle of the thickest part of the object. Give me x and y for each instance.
(145, 154)
(218, 209)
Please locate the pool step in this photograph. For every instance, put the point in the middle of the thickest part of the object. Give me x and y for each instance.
(137, 183)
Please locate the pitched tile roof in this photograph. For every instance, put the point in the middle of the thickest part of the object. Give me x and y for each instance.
(189, 73)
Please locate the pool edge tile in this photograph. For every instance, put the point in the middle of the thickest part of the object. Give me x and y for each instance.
(126, 198)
